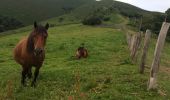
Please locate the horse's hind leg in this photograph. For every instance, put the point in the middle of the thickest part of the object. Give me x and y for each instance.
(85, 54)
(24, 73)
(35, 76)
(30, 73)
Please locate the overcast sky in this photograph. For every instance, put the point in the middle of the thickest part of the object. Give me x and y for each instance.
(151, 5)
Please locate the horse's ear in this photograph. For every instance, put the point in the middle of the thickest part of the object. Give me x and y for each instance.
(47, 26)
(35, 24)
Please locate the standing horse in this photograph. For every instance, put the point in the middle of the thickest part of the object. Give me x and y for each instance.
(30, 52)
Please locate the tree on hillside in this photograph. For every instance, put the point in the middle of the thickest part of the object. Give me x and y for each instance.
(92, 20)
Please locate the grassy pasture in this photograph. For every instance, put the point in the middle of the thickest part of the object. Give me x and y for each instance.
(107, 74)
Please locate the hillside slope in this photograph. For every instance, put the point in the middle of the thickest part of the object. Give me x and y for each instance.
(28, 11)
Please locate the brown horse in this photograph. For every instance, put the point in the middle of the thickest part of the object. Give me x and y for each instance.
(30, 52)
(81, 52)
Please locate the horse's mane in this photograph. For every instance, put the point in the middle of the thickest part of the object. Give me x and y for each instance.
(30, 43)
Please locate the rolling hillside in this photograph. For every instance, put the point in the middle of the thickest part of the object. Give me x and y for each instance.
(77, 10)
(29, 10)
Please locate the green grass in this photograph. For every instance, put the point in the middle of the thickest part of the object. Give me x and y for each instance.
(107, 74)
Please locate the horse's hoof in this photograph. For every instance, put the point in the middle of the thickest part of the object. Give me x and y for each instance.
(29, 77)
(33, 85)
(24, 85)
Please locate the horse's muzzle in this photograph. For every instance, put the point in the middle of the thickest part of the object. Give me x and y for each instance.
(38, 51)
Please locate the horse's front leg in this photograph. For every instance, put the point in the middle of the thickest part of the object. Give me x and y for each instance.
(35, 76)
(24, 73)
(30, 72)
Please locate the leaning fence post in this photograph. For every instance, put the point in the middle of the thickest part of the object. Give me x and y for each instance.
(145, 50)
(152, 83)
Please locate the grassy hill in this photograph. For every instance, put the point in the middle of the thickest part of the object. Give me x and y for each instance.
(106, 74)
(27, 11)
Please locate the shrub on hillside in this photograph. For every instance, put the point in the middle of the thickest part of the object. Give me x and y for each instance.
(106, 18)
(60, 19)
(93, 20)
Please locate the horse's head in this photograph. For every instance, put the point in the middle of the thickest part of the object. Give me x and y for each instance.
(37, 39)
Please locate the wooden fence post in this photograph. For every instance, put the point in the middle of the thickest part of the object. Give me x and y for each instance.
(152, 83)
(135, 44)
(145, 50)
(129, 39)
